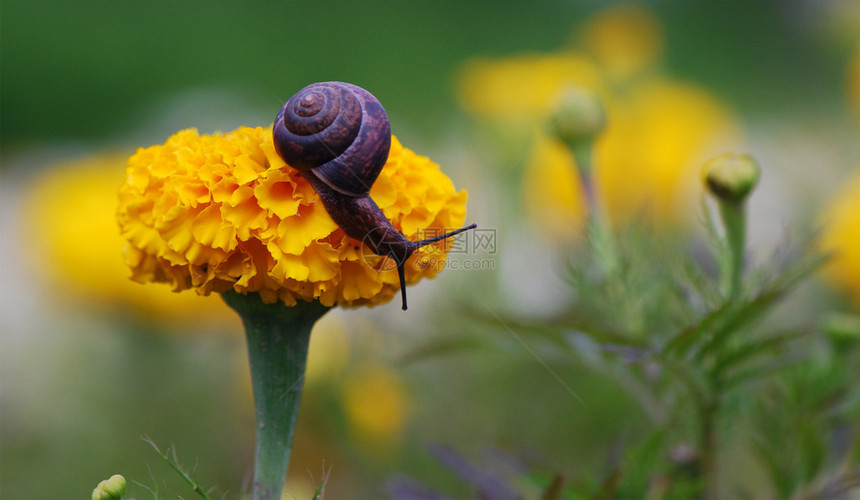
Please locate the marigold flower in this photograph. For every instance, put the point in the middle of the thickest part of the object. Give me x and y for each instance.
(841, 237)
(223, 211)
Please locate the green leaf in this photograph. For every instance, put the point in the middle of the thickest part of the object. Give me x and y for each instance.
(171, 458)
(759, 371)
(712, 331)
(735, 317)
(750, 349)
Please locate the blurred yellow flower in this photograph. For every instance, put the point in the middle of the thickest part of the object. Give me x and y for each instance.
(376, 405)
(624, 41)
(841, 236)
(70, 215)
(645, 164)
(223, 211)
(522, 90)
(658, 131)
(552, 190)
(659, 134)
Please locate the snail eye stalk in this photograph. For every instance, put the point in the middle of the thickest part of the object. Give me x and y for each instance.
(423, 243)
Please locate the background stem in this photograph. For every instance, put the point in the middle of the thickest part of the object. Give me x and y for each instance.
(597, 222)
(734, 220)
(708, 443)
(278, 338)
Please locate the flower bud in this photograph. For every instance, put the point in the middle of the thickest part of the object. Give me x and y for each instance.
(731, 176)
(579, 117)
(110, 489)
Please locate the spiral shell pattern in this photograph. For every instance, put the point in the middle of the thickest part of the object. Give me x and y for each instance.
(336, 131)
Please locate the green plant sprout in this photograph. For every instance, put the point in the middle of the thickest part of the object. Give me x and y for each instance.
(170, 457)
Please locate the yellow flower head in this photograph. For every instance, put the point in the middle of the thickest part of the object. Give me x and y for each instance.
(645, 163)
(69, 213)
(223, 211)
(624, 40)
(841, 237)
(524, 88)
(659, 135)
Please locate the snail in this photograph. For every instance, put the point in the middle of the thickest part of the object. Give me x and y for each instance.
(337, 136)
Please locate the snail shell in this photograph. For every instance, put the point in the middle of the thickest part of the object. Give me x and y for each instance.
(337, 132)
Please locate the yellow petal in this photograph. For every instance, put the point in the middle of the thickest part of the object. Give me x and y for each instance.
(246, 169)
(211, 230)
(312, 222)
(277, 194)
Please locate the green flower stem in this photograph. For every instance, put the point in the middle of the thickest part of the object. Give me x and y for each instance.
(278, 338)
(597, 222)
(734, 219)
(733, 214)
(709, 441)
(582, 154)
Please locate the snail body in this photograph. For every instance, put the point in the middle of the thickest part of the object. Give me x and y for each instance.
(337, 135)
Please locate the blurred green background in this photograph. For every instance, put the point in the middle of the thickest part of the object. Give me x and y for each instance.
(82, 382)
(95, 70)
